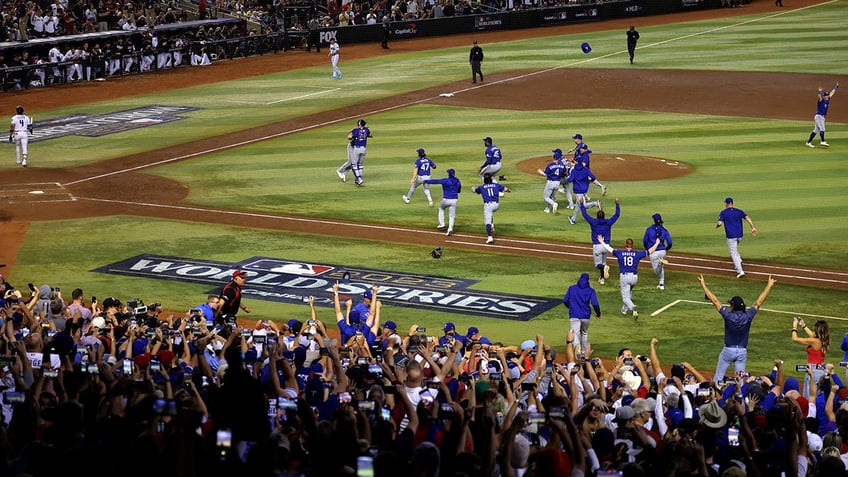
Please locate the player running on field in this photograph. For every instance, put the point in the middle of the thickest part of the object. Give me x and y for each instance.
(451, 187)
(601, 226)
(582, 155)
(492, 165)
(420, 173)
(628, 267)
(554, 172)
(658, 261)
(491, 192)
(580, 178)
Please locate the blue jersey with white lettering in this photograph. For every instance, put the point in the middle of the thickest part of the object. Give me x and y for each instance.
(583, 157)
(493, 154)
(628, 259)
(490, 192)
(423, 166)
(579, 148)
(555, 170)
(360, 136)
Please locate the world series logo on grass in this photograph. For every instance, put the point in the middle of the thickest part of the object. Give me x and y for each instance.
(289, 281)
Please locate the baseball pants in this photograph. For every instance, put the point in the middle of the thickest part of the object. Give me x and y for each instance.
(738, 357)
(599, 254)
(449, 204)
(21, 145)
(657, 265)
(334, 60)
(588, 205)
(733, 246)
(420, 181)
(819, 124)
(355, 158)
(492, 169)
(550, 193)
(628, 281)
(489, 209)
(568, 195)
(580, 327)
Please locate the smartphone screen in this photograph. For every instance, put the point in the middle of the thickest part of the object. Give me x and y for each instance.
(127, 367)
(224, 438)
(364, 466)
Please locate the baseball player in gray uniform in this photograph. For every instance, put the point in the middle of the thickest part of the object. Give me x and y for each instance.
(356, 148)
(420, 173)
(19, 132)
(628, 265)
(658, 260)
(491, 192)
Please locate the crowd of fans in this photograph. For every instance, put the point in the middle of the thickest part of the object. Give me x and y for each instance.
(110, 387)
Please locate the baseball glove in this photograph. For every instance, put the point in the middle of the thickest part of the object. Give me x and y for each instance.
(11, 139)
(436, 253)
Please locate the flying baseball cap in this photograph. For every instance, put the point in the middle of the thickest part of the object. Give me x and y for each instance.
(657, 218)
(240, 273)
(420, 151)
(448, 327)
(557, 152)
(487, 139)
(577, 136)
(728, 200)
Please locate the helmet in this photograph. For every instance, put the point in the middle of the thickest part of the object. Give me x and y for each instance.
(360, 123)
(20, 109)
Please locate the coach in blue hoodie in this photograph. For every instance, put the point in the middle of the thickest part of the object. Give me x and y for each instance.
(580, 299)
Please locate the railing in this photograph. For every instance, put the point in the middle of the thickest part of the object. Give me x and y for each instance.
(99, 69)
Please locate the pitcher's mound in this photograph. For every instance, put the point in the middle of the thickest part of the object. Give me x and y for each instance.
(620, 167)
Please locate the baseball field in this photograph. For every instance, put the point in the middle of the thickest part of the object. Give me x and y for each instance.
(234, 165)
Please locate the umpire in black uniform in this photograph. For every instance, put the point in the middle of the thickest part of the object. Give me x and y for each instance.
(476, 58)
(313, 34)
(632, 38)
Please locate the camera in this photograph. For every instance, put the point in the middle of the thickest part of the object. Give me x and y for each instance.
(155, 366)
(628, 361)
(525, 386)
(136, 307)
(421, 330)
(556, 413)
(704, 392)
(365, 405)
(375, 370)
(440, 349)
(843, 364)
(495, 376)
(801, 368)
(537, 418)
(733, 436)
(224, 438)
(286, 404)
(344, 397)
(259, 339)
(127, 367)
(13, 397)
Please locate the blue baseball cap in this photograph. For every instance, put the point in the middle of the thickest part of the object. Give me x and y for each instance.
(728, 200)
(420, 151)
(448, 327)
(451, 172)
(367, 294)
(390, 325)
(577, 136)
(586, 47)
(657, 218)
(472, 331)
(557, 152)
(487, 139)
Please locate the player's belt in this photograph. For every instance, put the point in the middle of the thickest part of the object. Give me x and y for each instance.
(628, 273)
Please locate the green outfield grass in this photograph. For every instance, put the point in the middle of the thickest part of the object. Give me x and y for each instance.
(795, 195)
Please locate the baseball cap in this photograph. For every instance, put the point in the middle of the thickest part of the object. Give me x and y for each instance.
(367, 294)
(240, 273)
(111, 302)
(527, 344)
(472, 331)
(487, 139)
(577, 136)
(420, 151)
(98, 322)
(557, 152)
(448, 327)
(475, 42)
(657, 218)
(624, 414)
(451, 172)
(728, 200)
(390, 325)
(737, 302)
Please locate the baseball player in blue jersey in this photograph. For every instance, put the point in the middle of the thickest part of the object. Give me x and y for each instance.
(357, 142)
(601, 226)
(582, 154)
(553, 172)
(658, 258)
(420, 173)
(451, 187)
(580, 178)
(628, 265)
(493, 160)
(731, 218)
(821, 112)
(491, 192)
(580, 299)
(564, 186)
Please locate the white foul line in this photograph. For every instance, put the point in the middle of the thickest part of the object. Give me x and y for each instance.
(675, 302)
(331, 90)
(405, 105)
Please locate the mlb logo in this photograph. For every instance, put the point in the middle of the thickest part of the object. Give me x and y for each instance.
(300, 269)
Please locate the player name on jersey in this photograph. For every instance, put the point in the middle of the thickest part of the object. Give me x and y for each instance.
(290, 281)
(96, 125)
